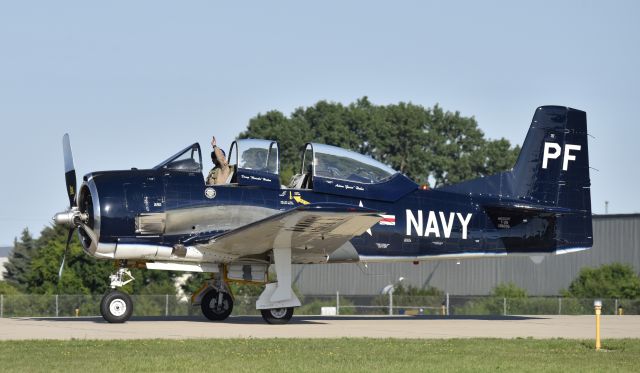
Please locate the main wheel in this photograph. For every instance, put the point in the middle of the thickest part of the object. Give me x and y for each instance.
(116, 307)
(277, 315)
(216, 306)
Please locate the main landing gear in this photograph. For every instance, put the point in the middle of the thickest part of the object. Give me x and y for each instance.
(276, 302)
(216, 305)
(277, 315)
(116, 306)
(214, 297)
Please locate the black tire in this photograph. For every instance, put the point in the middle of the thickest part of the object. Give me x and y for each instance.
(116, 307)
(277, 315)
(210, 308)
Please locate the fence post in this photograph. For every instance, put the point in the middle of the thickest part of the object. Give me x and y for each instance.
(391, 303)
(559, 306)
(166, 305)
(447, 304)
(504, 306)
(615, 309)
(56, 305)
(337, 302)
(1, 305)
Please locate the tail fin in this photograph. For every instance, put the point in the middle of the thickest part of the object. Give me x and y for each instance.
(553, 166)
(549, 180)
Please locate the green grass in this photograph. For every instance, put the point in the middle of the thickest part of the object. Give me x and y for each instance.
(319, 355)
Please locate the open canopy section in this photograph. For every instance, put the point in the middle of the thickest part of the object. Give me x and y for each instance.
(255, 162)
(188, 159)
(253, 154)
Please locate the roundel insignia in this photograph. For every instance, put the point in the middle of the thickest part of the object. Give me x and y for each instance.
(210, 193)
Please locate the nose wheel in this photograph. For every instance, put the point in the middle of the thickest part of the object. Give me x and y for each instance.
(116, 307)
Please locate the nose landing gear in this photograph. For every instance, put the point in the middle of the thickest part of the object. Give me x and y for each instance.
(116, 306)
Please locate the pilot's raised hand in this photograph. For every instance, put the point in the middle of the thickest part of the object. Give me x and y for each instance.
(213, 141)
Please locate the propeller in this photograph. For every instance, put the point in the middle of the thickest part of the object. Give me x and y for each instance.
(70, 179)
(64, 256)
(69, 170)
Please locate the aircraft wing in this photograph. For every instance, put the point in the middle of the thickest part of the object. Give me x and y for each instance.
(311, 230)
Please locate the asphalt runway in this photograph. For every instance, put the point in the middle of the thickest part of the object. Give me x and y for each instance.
(580, 327)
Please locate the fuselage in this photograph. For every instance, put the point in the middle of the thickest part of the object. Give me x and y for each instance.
(165, 208)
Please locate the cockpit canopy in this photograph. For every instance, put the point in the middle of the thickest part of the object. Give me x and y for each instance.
(188, 159)
(324, 169)
(337, 163)
(255, 162)
(253, 154)
(333, 170)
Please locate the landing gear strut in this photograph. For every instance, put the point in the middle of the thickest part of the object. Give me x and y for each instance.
(116, 306)
(277, 300)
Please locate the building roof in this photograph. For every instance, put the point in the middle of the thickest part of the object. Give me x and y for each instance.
(625, 216)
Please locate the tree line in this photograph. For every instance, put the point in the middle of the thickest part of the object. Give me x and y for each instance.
(428, 144)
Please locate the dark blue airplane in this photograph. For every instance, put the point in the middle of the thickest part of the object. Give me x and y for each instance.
(343, 207)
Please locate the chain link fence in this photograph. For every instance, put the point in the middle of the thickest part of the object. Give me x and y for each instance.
(388, 304)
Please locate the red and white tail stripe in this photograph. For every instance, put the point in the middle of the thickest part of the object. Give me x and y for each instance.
(388, 220)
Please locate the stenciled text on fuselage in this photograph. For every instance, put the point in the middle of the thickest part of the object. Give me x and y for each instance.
(437, 224)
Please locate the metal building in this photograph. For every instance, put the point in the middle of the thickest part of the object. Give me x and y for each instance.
(616, 239)
(5, 252)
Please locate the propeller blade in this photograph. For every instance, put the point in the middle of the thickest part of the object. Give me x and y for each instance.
(64, 256)
(69, 170)
(89, 232)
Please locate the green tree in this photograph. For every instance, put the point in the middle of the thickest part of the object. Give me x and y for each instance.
(423, 143)
(17, 267)
(614, 280)
(8, 289)
(83, 274)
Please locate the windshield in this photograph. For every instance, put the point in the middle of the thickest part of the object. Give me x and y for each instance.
(188, 159)
(337, 163)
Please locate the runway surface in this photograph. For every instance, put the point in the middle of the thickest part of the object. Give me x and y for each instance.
(581, 327)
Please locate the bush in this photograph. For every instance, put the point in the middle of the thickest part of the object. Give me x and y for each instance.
(494, 305)
(509, 290)
(608, 281)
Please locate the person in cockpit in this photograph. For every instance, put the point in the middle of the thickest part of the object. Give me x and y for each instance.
(220, 171)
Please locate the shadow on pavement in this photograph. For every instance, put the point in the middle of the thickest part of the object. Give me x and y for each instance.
(295, 320)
